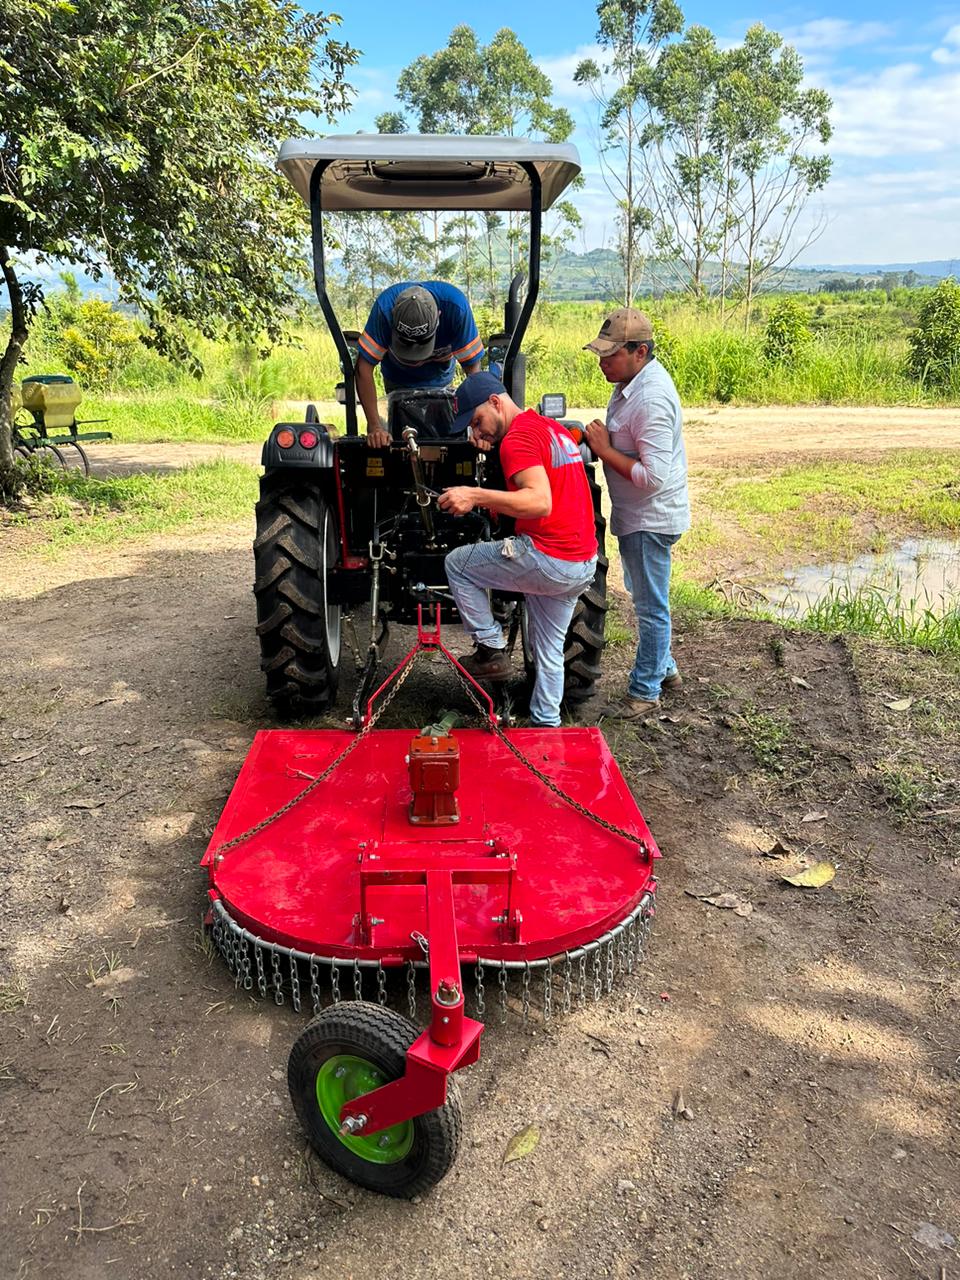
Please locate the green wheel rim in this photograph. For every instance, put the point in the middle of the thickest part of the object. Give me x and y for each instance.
(340, 1080)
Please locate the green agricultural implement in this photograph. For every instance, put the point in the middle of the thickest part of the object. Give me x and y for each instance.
(51, 400)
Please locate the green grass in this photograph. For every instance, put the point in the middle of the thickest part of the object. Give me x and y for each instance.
(870, 612)
(856, 355)
(83, 511)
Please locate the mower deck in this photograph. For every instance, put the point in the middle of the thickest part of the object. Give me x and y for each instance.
(344, 874)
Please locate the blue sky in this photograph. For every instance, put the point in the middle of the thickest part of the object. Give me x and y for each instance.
(893, 72)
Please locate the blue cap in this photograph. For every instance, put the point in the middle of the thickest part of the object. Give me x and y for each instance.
(474, 391)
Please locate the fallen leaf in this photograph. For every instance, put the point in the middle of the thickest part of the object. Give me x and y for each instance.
(779, 849)
(23, 756)
(932, 1236)
(678, 1104)
(709, 889)
(521, 1144)
(86, 751)
(731, 902)
(800, 681)
(814, 877)
(901, 704)
(85, 804)
(815, 815)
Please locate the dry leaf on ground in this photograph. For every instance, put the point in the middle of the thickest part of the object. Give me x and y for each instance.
(814, 877)
(901, 704)
(521, 1144)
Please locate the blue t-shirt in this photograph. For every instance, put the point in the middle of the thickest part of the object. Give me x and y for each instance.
(457, 337)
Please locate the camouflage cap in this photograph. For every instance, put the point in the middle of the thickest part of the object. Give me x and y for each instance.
(620, 327)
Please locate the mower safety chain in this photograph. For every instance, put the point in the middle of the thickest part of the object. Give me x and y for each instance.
(582, 973)
(321, 777)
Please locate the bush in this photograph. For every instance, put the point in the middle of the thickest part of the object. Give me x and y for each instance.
(935, 343)
(97, 343)
(786, 333)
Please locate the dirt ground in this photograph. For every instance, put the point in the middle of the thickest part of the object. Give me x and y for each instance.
(145, 1129)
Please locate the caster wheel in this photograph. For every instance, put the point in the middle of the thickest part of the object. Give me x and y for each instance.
(351, 1049)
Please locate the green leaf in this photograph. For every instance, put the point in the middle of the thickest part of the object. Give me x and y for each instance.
(521, 1144)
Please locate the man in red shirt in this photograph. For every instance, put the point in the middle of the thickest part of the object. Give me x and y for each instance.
(552, 557)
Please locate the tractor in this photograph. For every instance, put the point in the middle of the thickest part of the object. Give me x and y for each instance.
(343, 528)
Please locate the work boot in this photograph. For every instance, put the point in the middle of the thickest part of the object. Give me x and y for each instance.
(672, 683)
(487, 664)
(628, 708)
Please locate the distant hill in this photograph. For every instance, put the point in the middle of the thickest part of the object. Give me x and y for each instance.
(597, 275)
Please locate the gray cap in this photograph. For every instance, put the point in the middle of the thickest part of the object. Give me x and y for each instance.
(413, 324)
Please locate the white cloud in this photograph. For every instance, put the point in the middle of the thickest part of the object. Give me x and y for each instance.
(827, 35)
(949, 51)
(560, 70)
(898, 111)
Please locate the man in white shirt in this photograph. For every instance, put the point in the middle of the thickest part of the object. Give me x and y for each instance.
(645, 464)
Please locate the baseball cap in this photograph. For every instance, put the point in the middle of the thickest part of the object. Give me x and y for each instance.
(620, 327)
(413, 324)
(472, 392)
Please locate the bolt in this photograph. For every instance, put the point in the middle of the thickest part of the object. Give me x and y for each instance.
(384, 1140)
(340, 1072)
(448, 993)
(499, 919)
(375, 920)
(352, 1124)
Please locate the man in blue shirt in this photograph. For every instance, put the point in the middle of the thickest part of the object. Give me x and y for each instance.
(418, 331)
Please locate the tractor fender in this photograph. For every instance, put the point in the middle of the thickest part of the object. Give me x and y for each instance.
(318, 457)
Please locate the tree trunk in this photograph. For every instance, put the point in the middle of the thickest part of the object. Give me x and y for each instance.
(10, 360)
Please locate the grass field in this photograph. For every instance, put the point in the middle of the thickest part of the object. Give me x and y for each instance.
(855, 353)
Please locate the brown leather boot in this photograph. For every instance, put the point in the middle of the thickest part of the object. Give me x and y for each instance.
(487, 664)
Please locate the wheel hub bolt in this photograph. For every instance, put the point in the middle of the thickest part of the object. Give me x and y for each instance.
(352, 1124)
(384, 1141)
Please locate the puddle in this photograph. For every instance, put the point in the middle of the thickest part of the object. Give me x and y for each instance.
(919, 573)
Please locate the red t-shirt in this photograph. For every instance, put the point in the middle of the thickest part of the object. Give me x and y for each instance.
(567, 533)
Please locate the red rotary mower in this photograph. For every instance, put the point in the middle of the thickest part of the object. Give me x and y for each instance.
(519, 855)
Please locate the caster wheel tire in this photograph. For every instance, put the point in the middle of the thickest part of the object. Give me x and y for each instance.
(351, 1049)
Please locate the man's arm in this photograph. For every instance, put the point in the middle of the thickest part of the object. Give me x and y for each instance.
(533, 497)
(654, 441)
(377, 435)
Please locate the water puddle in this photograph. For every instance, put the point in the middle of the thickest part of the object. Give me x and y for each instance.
(916, 575)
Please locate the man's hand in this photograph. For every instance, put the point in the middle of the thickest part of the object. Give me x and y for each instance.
(478, 443)
(378, 438)
(598, 437)
(458, 500)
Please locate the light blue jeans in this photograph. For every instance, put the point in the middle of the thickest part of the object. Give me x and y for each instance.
(646, 575)
(550, 588)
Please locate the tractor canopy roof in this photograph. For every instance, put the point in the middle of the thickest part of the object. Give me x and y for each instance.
(428, 171)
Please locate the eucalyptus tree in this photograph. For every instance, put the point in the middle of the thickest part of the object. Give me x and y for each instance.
(775, 131)
(631, 34)
(139, 140)
(471, 88)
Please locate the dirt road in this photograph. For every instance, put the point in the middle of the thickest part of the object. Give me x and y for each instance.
(713, 436)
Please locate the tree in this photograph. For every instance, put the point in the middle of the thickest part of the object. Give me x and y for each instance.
(471, 88)
(935, 343)
(139, 141)
(631, 33)
(686, 164)
(767, 123)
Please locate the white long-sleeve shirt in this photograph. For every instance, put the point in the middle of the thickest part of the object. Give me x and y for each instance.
(645, 422)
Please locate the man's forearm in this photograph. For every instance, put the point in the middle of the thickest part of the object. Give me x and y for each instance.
(525, 503)
(367, 393)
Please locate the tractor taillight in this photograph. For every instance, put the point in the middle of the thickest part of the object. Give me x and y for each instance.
(286, 439)
(308, 439)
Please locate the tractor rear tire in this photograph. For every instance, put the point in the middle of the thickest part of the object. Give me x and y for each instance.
(351, 1049)
(295, 545)
(585, 640)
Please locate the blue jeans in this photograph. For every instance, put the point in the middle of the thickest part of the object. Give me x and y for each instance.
(646, 575)
(550, 588)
